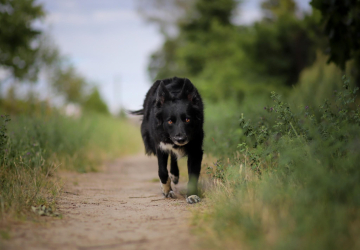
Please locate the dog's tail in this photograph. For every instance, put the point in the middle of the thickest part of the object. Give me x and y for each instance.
(137, 112)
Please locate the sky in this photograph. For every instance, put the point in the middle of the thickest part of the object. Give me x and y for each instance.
(110, 44)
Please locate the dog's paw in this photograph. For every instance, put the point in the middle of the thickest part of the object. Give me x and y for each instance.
(171, 194)
(166, 189)
(174, 179)
(193, 199)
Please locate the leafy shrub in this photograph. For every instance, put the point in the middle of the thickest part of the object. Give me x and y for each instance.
(296, 184)
(319, 80)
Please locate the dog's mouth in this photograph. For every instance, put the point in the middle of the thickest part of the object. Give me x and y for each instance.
(181, 143)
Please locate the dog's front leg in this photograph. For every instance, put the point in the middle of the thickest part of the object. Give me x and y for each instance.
(194, 168)
(174, 170)
(165, 181)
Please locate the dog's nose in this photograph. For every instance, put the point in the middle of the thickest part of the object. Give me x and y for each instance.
(180, 139)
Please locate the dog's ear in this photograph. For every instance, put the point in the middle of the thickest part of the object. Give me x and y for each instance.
(162, 94)
(188, 92)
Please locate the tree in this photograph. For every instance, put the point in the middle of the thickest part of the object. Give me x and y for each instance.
(19, 53)
(205, 14)
(341, 20)
(94, 103)
(227, 60)
(282, 44)
(164, 62)
(68, 82)
(198, 30)
(273, 9)
(166, 14)
(185, 53)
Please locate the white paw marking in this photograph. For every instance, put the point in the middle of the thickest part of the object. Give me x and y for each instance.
(193, 199)
(171, 195)
(167, 147)
(166, 189)
(174, 179)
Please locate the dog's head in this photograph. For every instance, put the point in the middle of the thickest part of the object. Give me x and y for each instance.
(180, 111)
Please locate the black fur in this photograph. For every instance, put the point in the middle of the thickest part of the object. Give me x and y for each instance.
(178, 101)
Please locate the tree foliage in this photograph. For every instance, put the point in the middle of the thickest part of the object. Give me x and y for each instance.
(277, 8)
(94, 103)
(283, 44)
(25, 50)
(199, 41)
(19, 44)
(226, 59)
(205, 13)
(67, 82)
(341, 20)
(163, 62)
(198, 29)
(165, 14)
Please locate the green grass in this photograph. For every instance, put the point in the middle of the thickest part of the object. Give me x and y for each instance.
(293, 182)
(222, 130)
(34, 148)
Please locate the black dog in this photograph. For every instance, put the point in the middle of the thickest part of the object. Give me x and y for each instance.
(173, 117)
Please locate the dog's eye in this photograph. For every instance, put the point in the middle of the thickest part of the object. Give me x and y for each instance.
(187, 120)
(170, 122)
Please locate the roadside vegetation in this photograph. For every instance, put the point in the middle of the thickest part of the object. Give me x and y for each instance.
(34, 148)
(281, 120)
(69, 130)
(292, 183)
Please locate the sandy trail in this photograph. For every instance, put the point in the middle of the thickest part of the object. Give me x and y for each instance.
(119, 208)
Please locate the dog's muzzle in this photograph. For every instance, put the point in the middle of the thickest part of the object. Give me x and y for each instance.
(180, 140)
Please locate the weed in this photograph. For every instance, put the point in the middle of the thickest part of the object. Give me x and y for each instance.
(155, 180)
(216, 172)
(5, 235)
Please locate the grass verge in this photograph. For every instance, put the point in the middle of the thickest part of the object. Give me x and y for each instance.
(33, 148)
(293, 182)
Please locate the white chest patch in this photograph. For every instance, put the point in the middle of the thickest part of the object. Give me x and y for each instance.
(166, 147)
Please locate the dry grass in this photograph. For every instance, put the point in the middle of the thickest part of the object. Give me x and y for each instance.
(39, 146)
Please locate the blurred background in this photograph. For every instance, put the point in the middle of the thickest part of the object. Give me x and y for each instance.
(82, 59)
(71, 53)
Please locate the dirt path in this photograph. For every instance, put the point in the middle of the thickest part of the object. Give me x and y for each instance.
(119, 208)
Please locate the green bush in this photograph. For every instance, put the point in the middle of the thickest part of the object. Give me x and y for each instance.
(295, 183)
(317, 83)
